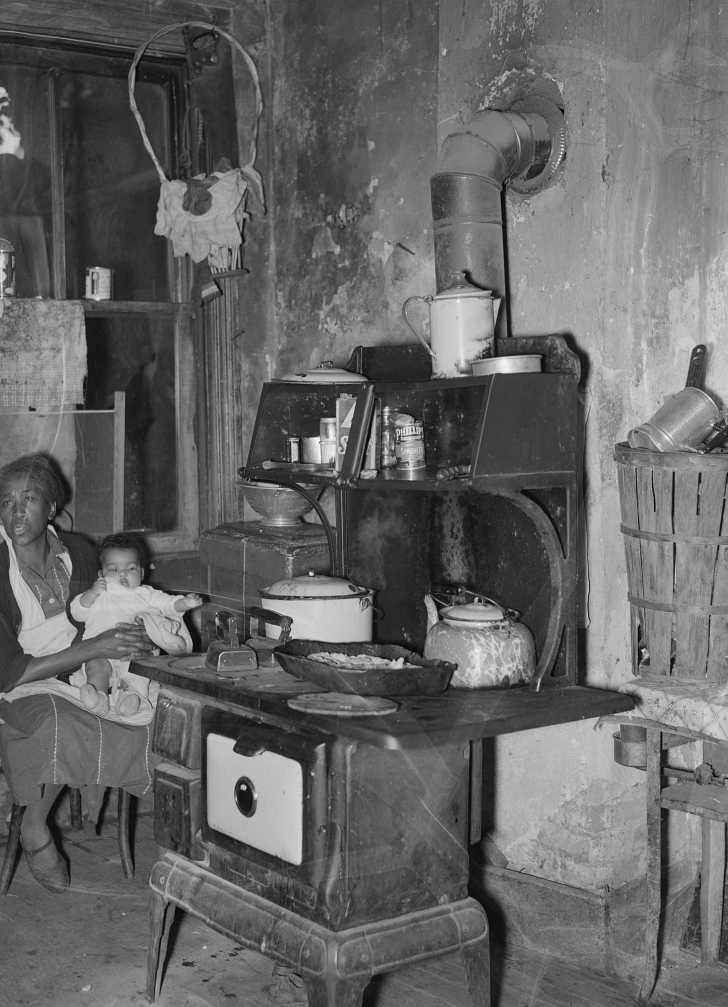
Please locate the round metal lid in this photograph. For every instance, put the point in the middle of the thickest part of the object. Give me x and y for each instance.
(324, 374)
(474, 612)
(314, 586)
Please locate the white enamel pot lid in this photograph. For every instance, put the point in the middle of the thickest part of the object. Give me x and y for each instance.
(314, 587)
(475, 613)
(324, 374)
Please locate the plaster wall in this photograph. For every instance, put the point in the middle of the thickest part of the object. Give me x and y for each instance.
(348, 146)
(627, 254)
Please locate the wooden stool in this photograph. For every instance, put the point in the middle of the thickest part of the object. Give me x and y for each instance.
(710, 803)
(16, 818)
(336, 966)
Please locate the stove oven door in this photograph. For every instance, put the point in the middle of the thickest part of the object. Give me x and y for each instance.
(264, 794)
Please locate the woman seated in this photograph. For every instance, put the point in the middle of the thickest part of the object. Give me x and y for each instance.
(47, 742)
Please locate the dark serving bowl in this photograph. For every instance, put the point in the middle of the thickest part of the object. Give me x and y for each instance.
(428, 678)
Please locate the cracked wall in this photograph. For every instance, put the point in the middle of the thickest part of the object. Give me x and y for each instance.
(626, 255)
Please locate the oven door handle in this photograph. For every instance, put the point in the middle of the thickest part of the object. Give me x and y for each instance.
(255, 739)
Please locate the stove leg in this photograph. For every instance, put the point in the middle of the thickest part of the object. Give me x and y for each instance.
(476, 957)
(159, 921)
(333, 991)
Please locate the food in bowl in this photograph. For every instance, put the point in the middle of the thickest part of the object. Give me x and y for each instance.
(359, 662)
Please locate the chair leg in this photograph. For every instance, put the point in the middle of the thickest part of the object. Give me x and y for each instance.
(123, 826)
(76, 810)
(11, 849)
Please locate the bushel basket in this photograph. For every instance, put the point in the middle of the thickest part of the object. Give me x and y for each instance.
(675, 528)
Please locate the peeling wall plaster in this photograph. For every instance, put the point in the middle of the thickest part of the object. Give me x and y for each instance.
(353, 144)
(627, 254)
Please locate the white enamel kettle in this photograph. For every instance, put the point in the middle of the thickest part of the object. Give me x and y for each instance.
(462, 322)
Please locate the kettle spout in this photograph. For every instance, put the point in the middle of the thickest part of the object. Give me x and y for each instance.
(433, 616)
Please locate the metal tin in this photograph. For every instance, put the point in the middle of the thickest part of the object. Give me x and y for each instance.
(293, 449)
(684, 421)
(98, 283)
(311, 448)
(410, 443)
(388, 458)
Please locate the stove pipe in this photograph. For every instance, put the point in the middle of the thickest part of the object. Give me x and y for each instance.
(474, 165)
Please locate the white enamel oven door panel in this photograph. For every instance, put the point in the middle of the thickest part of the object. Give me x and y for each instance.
(257, 800)
(265, 790)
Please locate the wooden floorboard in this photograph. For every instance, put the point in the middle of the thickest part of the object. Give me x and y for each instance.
(88, 949)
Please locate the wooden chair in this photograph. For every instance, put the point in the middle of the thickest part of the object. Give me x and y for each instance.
(16, 817)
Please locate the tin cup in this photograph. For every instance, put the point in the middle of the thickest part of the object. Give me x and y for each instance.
(98, 283)
(684, 421)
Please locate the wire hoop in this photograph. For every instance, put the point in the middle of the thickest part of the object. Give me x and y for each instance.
(248, 62)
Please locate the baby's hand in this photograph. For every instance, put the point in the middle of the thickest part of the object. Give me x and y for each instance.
(99, 585)
(189, 601)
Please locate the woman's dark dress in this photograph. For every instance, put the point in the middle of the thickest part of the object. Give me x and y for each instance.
(45, 739)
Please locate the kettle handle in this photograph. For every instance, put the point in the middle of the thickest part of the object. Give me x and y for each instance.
(409, 323)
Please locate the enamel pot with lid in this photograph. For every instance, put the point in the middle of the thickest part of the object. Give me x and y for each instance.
(332, 609)
(490, 647)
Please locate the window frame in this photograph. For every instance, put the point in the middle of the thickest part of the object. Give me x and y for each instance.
(169, 68)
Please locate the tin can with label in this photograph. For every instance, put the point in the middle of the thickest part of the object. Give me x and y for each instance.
(293, 449)
(98, 283)
(410, 443)
(388, 458)
(7, 269)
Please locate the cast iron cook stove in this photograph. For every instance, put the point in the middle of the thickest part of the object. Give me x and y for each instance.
(339, 847)
(368, 869)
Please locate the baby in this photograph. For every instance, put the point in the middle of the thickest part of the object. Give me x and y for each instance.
(118, 595)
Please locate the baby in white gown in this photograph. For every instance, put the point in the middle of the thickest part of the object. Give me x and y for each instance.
(118, 595)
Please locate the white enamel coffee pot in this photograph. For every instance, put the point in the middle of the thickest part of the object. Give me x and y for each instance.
(462, 322)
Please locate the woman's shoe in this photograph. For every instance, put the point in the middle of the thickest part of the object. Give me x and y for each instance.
(53, 877)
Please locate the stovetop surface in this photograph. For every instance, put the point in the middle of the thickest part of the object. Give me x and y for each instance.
(454, 717)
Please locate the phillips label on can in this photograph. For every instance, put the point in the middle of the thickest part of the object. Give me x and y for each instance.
(410, 443)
